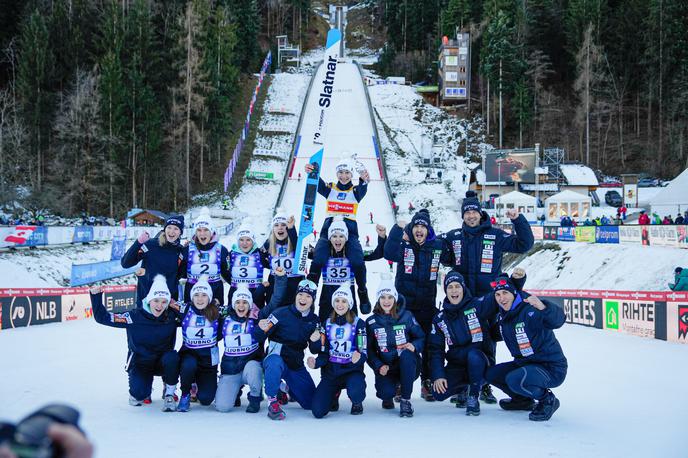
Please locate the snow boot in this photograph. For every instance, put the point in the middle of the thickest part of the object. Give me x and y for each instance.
(168, 404)
(397, 396)
(282, 398)
(517, 403)
(461, 398)
(134, 402)
(387, 404)
(487, 396)
(335, 402)
(405, 408)
(237, 401)
(545, 408)
(184, 403)
(194, 392)
(253, 404)
(275, 411)
(473, 405)
(176, 398)
(426, 391)
(357, 409)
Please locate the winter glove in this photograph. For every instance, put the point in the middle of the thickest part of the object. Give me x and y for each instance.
(364, 301)
(143, 237)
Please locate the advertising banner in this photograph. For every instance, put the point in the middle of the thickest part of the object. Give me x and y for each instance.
(663, 235)
(83, 234)
(538, 232)
(30, 310)
(630, 196)
(631, 234)
(584, 234)
(118, 247)
(677, 322)
(21, 307)
(550, 233)
(509, 166)
(83, 274)
(582, 311)
(607, 234)
(566, 234)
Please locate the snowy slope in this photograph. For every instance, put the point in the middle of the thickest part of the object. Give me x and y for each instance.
(349, 131)
(606, 406)
(598, 266)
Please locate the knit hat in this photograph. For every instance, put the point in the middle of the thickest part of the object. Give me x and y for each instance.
(204, 220)
(422, 218)
(386, 286)
(308, 287)
(345, 292)
(344, 166)
(246, 232)
(452, 277)
(503, 282)
(678, 270)
(338, 227)
(158, 289)
(471, 202)
(242, 293)
(202, 287)
(280, 217)
(175, 220)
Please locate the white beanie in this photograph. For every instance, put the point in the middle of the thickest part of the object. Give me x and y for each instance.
(242, 292)
(246, 232)
(345, 292)
(204, 220)
(203, 287)
(344, 166)
(280, 217)
(158, 289)
(338, 227)
(386, 286)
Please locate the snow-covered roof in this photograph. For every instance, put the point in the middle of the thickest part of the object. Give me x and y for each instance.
(515, 197)
(568, 196)
(578, 175)
(674, 194)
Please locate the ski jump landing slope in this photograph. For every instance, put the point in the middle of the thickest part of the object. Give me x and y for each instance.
(350, 130)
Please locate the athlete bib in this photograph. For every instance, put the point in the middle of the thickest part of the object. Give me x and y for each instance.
(523, 341)
(342, 340)
(341, 202)
(246, 269)
(198, 331)
(204, 263)
(487, 255)
(284, 259)
(473, 325)
(238, 339)
(337, 271)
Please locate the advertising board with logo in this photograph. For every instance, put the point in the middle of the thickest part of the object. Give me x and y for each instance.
(538, 232)
(630, 316)
(677, 322)
(582, 311)
(663, 235)
(630, 234)
(21, 307)
(25, 310)
(551, 233)
(566, 234)
(607, 234)
(585, 234)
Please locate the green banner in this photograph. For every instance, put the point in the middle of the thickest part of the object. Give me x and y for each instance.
(260, 175)
(585, 234)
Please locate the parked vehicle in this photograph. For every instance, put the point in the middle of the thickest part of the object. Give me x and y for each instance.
(613, 198)
(648, 182)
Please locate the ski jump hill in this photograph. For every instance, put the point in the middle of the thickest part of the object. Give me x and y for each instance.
(350, 131)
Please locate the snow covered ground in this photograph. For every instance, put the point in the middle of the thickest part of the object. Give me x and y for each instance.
(577, 265)
(612, 404)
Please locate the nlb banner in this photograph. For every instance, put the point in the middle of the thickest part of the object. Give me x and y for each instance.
(22, 307)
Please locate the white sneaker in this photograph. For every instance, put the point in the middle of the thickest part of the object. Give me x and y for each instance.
(169, 404)
(134, 402)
